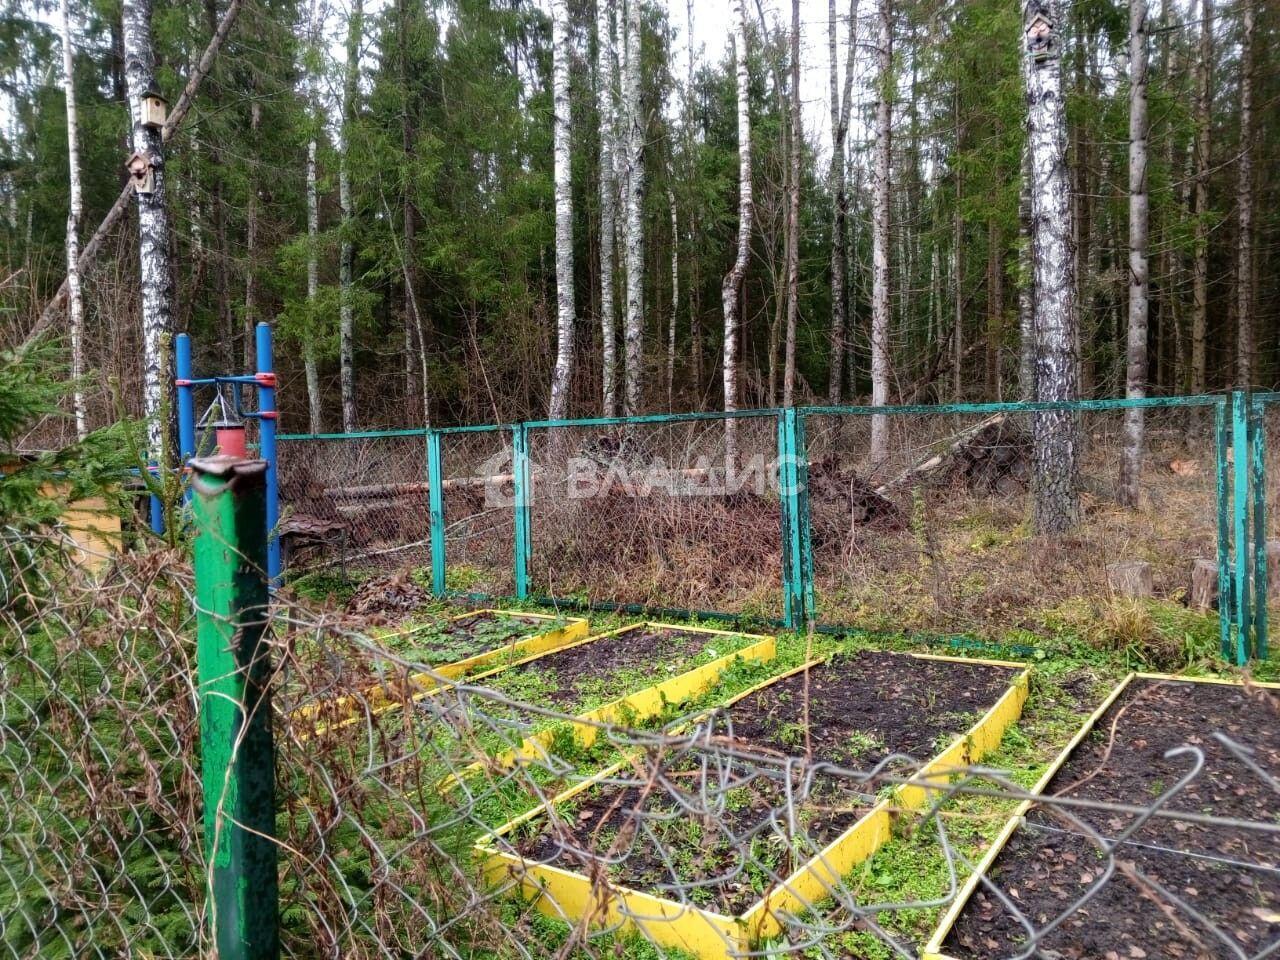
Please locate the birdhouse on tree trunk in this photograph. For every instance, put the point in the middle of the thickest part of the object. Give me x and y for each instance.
(153, 109)
(1039, 37)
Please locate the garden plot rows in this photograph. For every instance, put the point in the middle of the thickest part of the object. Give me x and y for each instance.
(630, 675)
(1174, 888)
(707, 855)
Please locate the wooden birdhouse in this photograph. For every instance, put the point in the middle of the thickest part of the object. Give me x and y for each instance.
(153, 109)
(1039, 37)
(141, 174)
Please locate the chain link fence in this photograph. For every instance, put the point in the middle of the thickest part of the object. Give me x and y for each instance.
(719, 826)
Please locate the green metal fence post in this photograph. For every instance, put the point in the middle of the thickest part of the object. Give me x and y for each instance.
(1258, 481)
(237, 751)
(784, 486)
(797, 561)
(800, 449)
(1240, 504)
(1225, 605)
(435, 493)
(521, 484)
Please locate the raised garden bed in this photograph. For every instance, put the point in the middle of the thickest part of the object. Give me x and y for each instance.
(467, 644)
(626, 676)
(1143, 900)
(708, 861)
(471, 642)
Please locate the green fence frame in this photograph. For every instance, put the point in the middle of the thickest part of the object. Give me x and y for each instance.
(1240, 470)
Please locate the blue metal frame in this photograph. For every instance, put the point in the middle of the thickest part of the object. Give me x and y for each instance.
(267, 415)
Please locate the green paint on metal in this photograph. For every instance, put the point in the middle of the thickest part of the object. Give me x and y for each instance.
(1258, 481)
(521, 482)
(801, 445)
(1240, 503)
(435, 494)
(356, 435)
(1224, 528)
(233, 672)
(1016, 407)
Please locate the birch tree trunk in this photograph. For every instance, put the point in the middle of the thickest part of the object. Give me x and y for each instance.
(75, 212)
(731, 290)
(563, 376)
(838, 184)
(1026, 303)
(310, 366)
(1200, 267)
(793, 217)
(153, 232)
(1244, 203)
(1139, 214)
(607, 104)
(1057, 505)
(880, 232)
(675, 302)
(346, 267)
(634, 334)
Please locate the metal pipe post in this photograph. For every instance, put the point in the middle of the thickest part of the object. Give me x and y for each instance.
(236, 746)
(267, 426)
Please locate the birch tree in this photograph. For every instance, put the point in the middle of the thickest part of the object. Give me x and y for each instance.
(838, 184)
(675, 301)
(1139, 214)
(563, 375)
(607, 106)
(311, 367)
(880, 230)
(1200, 266)
(1057, 505)
(1244, 205)
(153, 227)
(634, 333)
(731, 290)
(346, 267)
(793, 216)
(75, 213)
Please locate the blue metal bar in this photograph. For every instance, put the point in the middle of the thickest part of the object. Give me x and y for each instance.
(268, 422)
(435, 494)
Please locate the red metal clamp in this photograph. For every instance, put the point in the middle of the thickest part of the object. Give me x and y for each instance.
(265, 379)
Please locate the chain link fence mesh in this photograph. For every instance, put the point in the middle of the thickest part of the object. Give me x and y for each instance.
(936, 536)
(1161, 826)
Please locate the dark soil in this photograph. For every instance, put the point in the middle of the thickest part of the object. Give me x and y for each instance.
(570, 679)
(1044, 870)
(720, 832)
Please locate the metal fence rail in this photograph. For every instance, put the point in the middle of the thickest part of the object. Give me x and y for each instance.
(779, 516)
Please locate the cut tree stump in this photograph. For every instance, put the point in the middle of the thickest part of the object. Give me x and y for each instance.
(1204, 584)
(1131, 578)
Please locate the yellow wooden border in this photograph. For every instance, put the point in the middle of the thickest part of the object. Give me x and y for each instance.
(818, 879)
(393, 692)
(933, 949)
(632, 708)
(709, 935)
